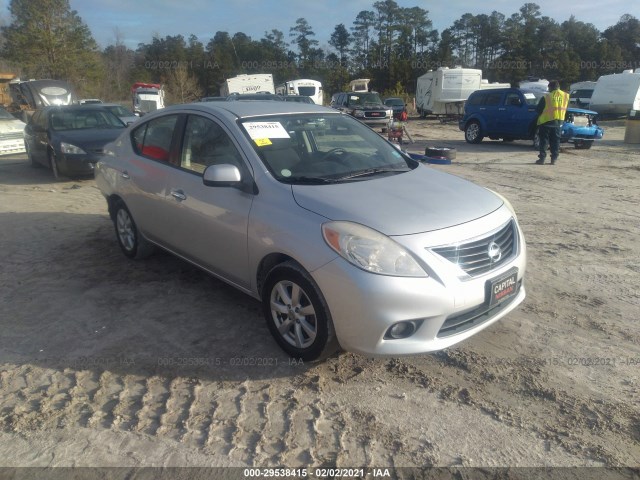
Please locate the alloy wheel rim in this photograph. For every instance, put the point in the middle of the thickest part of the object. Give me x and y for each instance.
(293, 314)
(125, 230)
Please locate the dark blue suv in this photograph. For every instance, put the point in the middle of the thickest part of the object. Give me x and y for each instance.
(510, 114)
(500, 113)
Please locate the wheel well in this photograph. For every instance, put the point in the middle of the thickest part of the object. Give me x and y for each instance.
(265, 267)
(111, 202)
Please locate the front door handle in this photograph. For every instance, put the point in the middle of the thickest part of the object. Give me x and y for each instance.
(125, 175)
(178, 195)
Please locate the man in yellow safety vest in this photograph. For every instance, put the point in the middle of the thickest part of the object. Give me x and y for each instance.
(551, 109)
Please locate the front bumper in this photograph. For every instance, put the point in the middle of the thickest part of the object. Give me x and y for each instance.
(449, 307)
(77, 164)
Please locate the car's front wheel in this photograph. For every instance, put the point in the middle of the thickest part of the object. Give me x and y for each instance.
(473, 132)
(132, 244)
(296, 313)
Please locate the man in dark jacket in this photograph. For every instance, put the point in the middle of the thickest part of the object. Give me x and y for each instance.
(551, 109)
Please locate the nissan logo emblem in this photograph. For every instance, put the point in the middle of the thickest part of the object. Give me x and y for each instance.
(494, 252)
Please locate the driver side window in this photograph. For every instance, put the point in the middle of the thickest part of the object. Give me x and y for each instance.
(206, 143)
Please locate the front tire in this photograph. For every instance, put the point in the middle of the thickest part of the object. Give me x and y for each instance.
(296, 313)
(53, 163)
(583, 144)
(473, 132)
(132, 244)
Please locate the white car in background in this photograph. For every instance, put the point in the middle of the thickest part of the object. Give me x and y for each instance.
(11, 134)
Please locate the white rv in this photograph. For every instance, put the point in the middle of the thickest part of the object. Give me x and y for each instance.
(580, 94)
(302, 86)
(444, 91)
(258, 83)
(616, 94)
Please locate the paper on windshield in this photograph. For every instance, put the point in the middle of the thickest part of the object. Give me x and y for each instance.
(262, 132)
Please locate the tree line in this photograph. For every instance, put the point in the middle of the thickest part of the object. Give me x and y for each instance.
(389, 44)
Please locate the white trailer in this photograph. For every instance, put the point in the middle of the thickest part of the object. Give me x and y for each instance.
(580, 94)
(444, 91)
(616, 94)
(537, 84)
(258, 83)
(359, 85)
(302, 86)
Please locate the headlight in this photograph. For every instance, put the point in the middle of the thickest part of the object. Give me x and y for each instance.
(370, 250)
(358, 113)
(69, 149)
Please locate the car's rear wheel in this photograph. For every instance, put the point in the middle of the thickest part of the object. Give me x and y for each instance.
(296, 313)
(132, 244)
(473, 132)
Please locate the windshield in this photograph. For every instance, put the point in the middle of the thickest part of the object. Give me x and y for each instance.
(364, 99)
(83, 119)
(4, 115)
(533, 98)
(325, 148)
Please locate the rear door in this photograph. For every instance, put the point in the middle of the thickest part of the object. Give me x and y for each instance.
(490, 111)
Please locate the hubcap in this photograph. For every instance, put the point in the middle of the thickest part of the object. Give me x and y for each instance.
(293, 314)
(125, 229)
(472, 131)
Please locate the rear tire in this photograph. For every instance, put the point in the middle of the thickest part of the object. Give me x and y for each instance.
(297, 314)
(132, 244)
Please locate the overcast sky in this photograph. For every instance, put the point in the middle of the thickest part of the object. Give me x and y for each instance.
(137, 21)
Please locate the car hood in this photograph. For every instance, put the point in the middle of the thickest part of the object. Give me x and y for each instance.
(89, 138)
(419, 201)
(11, 126)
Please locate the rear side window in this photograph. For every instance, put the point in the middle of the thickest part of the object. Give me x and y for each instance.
(153, 139)
(493, 99)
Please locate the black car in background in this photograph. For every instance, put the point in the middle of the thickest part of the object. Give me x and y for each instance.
(70, 139)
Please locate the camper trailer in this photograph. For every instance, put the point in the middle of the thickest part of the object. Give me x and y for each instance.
(616, 94)
(485, 85)
(359, 85)
(444, 91)
(302, 86)
(241, 84)
(580, 94)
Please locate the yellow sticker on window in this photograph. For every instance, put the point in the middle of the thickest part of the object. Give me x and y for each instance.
(262, 142)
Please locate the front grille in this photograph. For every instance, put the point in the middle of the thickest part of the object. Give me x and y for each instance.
(474, 257)
(375, 114)
(12, 136)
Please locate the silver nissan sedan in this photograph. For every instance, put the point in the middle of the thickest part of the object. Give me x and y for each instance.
(347, 241)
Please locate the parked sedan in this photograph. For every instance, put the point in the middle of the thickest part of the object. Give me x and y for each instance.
(345, 240)
(70, 139)
(123, 113)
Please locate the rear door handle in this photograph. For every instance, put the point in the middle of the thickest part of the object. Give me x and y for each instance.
(178, 195)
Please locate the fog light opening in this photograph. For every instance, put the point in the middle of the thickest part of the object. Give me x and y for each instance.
(401, 330)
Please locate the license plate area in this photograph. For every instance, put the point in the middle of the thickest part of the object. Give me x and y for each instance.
(503, 287)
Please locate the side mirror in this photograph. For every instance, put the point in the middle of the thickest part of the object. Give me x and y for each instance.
(227, 175)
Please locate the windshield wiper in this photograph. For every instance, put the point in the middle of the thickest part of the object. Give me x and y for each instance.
(373, 171)
(308, 180)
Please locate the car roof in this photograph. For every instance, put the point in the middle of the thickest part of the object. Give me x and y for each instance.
(249, 109)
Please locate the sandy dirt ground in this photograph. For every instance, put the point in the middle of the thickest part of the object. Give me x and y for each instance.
(110, 362)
